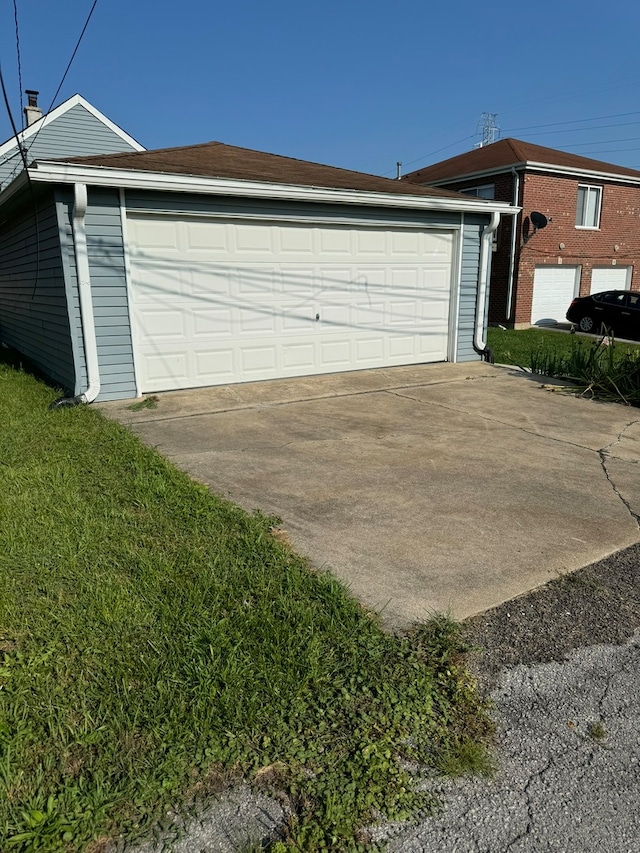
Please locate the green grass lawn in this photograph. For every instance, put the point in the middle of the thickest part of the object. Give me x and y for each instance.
(518, 347)
(599, 368)
(157, 642)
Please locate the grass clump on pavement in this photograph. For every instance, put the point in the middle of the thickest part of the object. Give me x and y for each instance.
(155, 639)
(601, 368)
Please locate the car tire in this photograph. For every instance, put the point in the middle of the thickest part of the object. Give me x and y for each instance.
(587, 324)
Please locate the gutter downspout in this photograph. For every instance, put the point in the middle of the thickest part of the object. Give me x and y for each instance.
(512, 253)
(86, 302)
(479, 341)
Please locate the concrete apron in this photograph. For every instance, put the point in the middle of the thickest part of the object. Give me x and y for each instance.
(432, 488)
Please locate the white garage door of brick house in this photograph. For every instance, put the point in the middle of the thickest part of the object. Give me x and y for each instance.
(217, 301)
(610, 278)
(553, 290)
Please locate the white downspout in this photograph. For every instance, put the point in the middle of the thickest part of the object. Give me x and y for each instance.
(479, 341)
(84, 291)
(512, 253)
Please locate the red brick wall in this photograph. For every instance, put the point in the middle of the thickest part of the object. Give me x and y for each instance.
(556, 197)
(615, 243)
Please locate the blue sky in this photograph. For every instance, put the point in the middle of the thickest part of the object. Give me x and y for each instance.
(354, 84)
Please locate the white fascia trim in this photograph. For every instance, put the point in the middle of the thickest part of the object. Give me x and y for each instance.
(76, 100)
(569, 171)
(472, 176)
(584, 173)
(101, 176)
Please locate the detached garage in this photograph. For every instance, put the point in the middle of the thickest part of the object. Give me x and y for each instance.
(210, 265)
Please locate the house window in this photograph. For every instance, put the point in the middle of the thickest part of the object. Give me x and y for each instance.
(486, 191)
(588, 209)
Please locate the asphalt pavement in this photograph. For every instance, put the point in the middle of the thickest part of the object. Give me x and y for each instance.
(562, 667)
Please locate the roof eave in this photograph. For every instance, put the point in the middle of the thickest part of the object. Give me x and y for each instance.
(531, 165)
(70, 173)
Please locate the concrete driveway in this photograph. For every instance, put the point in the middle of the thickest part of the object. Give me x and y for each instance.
(450, 487)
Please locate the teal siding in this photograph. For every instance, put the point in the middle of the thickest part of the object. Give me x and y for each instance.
(469, 273)
(108, 293)
(76, 133)
(33, 303)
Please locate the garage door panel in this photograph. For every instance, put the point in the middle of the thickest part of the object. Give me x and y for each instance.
(300, 356)
(336, 353)
(370, 314)
(208, 237)
(215, 363)
(245, 310)
(371, 244)
(258, 359)
(211, 322)
(207, 282)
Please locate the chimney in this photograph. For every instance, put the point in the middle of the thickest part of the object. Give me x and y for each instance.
(32, 111)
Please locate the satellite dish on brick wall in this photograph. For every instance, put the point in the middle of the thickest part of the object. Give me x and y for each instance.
(538, 220)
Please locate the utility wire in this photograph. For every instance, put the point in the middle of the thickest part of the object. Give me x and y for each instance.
(15, 15)
(26, 169)
(32, 142)
(73, 55)
(573, 121)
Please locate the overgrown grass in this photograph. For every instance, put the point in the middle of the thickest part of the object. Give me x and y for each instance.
(601, 368)
(157, 641)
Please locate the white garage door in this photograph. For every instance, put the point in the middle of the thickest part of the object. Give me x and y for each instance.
(553, 290)
(218, 301)
(610, 278)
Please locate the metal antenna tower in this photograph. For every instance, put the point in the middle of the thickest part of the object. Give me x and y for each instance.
(489, 129)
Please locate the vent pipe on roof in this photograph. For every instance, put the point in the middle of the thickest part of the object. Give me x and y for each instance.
(32, 111)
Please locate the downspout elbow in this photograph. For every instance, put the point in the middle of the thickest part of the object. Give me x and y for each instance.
(479, 339)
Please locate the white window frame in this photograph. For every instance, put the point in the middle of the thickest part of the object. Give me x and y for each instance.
(588, 189)
(485, 191)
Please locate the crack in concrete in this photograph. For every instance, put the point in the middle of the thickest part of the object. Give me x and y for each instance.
(604, 453)
(495, 420)
(273, 404)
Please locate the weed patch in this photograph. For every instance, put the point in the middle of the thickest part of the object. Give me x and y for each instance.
(156, 642)
(602, 369)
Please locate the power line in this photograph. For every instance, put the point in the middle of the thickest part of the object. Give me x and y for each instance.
(29, 181)
(73, 56)
(573, 121)
(15, 15)
(438, 150)
(584, 129)
(64, 76)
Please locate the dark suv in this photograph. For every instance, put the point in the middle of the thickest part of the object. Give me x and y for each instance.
(612, 310)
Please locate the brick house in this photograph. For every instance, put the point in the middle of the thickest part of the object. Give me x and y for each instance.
(591, 240)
